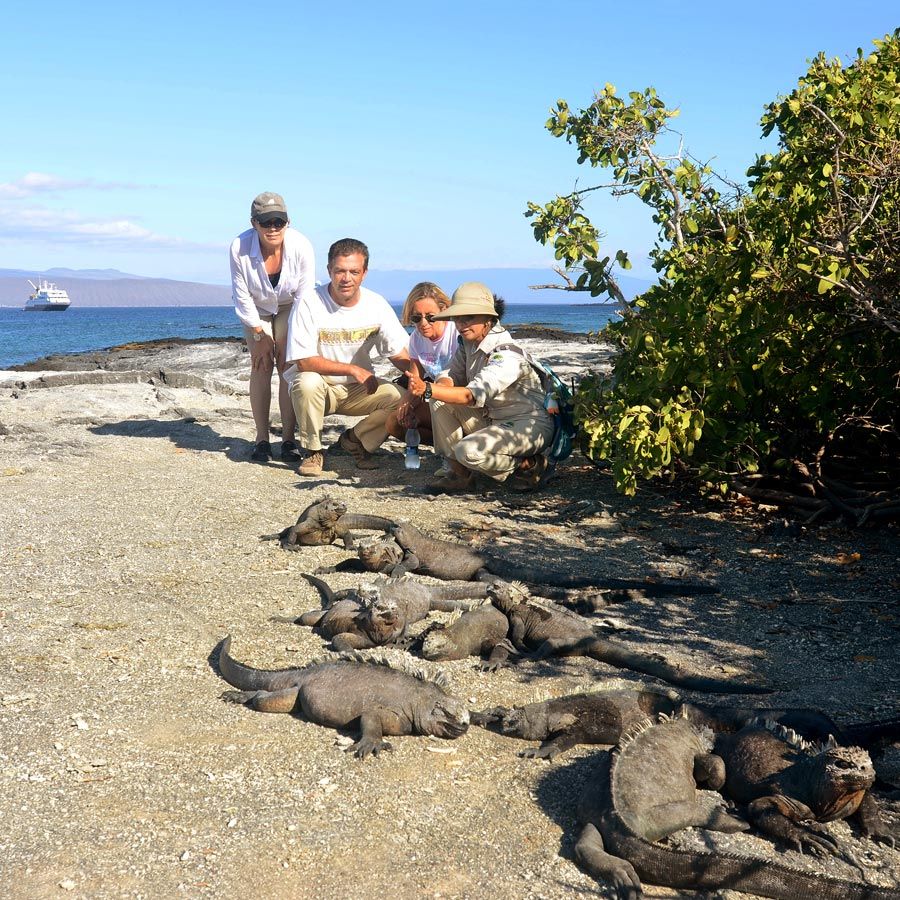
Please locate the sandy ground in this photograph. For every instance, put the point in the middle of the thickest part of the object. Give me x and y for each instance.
(129, 547)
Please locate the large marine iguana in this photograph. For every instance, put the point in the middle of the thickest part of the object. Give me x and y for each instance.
(380, 612)
(790, 785)
(645, 790)
(607, 711)
(369, 695)
(323, 522)
(407, 549)
(542, 630)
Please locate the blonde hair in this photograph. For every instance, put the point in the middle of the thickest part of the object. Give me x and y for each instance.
(424, 290)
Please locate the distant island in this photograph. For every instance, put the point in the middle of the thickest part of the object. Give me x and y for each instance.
(109, 287)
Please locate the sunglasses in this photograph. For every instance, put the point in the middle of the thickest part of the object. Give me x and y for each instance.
(415, 318)
(273, 224)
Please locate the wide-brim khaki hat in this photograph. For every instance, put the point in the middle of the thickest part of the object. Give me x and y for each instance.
(471, 298)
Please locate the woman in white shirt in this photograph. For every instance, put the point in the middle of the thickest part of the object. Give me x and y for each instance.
(272, 266)
(432, 345)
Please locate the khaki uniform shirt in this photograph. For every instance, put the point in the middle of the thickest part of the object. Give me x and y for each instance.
(502, 382)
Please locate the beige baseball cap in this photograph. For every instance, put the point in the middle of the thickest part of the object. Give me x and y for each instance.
(268, 205)
(471, 298)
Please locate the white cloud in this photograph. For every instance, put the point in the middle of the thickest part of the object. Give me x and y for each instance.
(67, 227)
(32, 183)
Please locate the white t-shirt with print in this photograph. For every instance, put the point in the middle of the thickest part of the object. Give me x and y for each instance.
(357, 335)
(434, 356)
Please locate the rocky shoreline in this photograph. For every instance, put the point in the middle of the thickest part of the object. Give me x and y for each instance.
(134, 548)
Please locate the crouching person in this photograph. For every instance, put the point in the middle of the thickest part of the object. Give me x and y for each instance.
(487, 410)
(334, 336)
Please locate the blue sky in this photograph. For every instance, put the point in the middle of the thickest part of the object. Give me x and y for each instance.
(137, 135)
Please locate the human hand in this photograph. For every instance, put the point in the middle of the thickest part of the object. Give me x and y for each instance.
(365, 378)
(262, 352)
(416, 384)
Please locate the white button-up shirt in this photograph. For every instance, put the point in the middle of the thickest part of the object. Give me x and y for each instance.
(251, 289)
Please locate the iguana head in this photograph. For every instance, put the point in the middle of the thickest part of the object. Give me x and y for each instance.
(379, 554)
(326, 510)
(447, 717)
(504, 596)
(435, 643)
(840, 777)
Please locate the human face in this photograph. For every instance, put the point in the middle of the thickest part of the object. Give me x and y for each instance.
(473, 328)
(270, 237)
(427, 306)
(347, 274)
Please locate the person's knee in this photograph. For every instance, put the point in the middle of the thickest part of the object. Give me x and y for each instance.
(307, 384)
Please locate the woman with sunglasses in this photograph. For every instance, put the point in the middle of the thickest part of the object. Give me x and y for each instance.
(431, 346)
(488, 414)
(271, 267)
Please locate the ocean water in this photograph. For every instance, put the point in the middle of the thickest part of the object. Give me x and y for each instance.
(25, 337)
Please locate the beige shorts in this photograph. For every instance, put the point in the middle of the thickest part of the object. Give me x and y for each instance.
(274, 326)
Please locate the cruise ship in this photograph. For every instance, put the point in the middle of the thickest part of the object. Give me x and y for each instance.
(47, 296)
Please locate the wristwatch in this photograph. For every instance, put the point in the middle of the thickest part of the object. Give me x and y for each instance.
(257, 335)
(427, 393)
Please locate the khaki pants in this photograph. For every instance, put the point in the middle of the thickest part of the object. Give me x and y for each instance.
(313, 398)
(466, 434)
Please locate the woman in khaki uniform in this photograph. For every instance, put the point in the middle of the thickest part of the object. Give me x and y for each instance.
(487, 409)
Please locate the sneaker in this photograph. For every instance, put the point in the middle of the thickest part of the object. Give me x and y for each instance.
(530, 479)
(262, 452)
(312, 465)
(351, 444)
(289, 452)
(451, 484)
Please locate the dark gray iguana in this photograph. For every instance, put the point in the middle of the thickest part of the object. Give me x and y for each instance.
(790, 785)
(323, 522)
(538, 631)
(370, 696)
(380, 612)
(478, 632)
(646, 790)
(606, 712)
(407, 549)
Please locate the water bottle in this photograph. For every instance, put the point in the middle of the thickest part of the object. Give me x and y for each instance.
(551, 403)
(412, 448)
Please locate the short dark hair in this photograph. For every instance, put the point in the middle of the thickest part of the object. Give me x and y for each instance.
(500, 306)
(346, 247)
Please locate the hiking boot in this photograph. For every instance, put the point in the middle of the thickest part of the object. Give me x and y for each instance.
(312, 465)
(529, 478)
(262, 452)
(350, 443)
(451, 483)
(289, 452)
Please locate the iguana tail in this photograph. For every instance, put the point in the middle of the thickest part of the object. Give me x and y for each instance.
(364, 522)
(537, 577)
(712, 870)
(248, 679)
(865, 734)
(658, 666)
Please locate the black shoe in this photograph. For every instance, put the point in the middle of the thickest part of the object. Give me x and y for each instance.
(289, 453)
(262, 452)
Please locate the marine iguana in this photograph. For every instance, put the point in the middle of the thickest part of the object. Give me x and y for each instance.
(381, 611)
(645, 790)
(791, 785)
(539, 631)
(370, 695)
(606, 712)
(479, 632)
(323, 522)
(409, 550)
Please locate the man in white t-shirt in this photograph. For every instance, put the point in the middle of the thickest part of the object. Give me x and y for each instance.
(334, 337)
